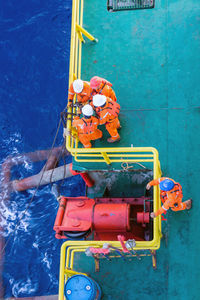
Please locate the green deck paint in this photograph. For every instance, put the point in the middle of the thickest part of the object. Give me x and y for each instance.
(152, 59)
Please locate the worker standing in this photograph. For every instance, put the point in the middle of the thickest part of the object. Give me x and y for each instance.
(108, 111)
(170, 194)
(87, 126)
(82, 89)
(102, 86)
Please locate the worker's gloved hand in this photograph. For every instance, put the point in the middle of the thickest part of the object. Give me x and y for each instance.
(66, 132)
(148, 186)
(69, 104)
(78, 104)
(152, 215)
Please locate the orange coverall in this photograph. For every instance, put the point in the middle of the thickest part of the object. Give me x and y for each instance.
(87, 130)
(108, 115)
(170, 199)
(105, 90)
(82, 97)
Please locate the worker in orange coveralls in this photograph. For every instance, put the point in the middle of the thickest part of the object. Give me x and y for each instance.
(108, 111)
(87, 126)
(82, 89)
(102, 86)
(170, 194)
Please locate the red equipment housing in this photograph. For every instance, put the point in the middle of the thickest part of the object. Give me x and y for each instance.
(106, 218)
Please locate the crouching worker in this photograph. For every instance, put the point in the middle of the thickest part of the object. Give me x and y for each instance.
(108, 111)
(102, 86)
(170, 194)
(87, 126)
(81, 89)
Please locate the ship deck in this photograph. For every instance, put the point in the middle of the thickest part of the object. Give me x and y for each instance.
(152, 58)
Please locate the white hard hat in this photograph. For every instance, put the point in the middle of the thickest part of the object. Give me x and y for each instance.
(87, 110)
(78, 85)
(99, 100)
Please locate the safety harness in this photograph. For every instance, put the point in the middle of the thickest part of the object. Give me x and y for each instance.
(112, 106)
(89, 126)
(178, 191)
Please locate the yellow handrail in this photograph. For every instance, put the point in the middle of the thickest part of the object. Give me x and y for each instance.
(92, 154)
(107, 155)
(70, 248)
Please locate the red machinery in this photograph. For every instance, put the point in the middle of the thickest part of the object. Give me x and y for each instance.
(106, 218)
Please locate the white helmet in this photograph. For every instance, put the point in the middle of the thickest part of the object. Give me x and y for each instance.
(78, 85)
(87, 110)
(99, 100)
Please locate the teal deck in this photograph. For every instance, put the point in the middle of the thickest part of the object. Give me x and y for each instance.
(152, 59)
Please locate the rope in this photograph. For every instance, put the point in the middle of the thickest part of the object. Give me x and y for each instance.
(63, 157)
(57, 160)
(125, 166)
(17, 225)
(64, 161)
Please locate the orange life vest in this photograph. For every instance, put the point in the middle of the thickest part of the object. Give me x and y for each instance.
(83, 96)
(176, 192)
(86, 126)
(111, 106)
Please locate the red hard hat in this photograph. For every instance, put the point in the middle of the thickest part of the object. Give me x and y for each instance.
(96, 81)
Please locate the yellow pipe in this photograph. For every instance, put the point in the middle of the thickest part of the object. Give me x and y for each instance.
(72, 255)
(71, 272)
(75, 71)
(80, 43)
(116, 155)
(62, 275)
(106, 158)
(117, 149)
(76, 42)
(86, 33)
(140, 245)
(78, 246)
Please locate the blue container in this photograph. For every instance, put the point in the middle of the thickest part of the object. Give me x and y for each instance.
(81, 287)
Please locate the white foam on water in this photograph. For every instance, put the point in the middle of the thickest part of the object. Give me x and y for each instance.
(20, 288)
(35, 245)
(10, 215)
(47, 261)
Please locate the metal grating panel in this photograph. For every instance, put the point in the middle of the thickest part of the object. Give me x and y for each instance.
(117, 5)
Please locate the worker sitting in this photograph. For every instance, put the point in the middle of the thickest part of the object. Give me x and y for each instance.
(82, 89)
(170, 194)
(87, 126)
(102, 86)
(108, 111)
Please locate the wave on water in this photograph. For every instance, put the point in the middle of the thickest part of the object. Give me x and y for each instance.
(34, 52)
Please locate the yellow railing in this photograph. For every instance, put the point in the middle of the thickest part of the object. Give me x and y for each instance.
(107, 155)
(77, 32)
(70, 248)
(117, 155)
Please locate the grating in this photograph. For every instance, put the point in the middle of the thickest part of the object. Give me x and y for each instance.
(117, 5)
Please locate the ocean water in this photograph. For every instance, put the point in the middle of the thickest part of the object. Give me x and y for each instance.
(34, 56)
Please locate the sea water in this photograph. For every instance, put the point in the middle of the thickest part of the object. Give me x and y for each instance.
(34, 55)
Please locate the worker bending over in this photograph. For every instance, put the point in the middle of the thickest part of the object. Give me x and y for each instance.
(102, 86)
(87, 126)
(170, 194)
(108, 110)
(81, 89)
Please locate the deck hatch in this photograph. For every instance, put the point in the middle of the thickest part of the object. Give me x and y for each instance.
(117, 5)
